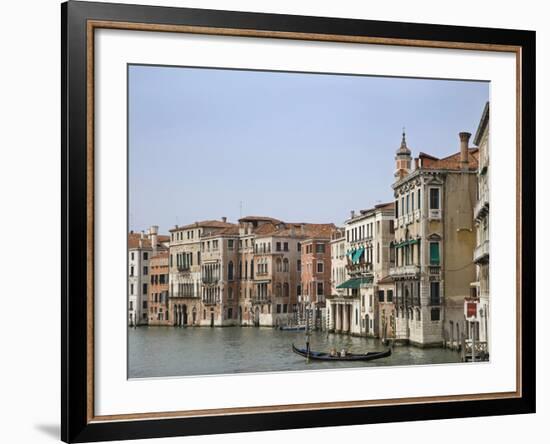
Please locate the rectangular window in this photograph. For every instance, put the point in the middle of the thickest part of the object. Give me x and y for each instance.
(434, 253)
(320, 267)
(144, 288)
(230, 244)
(145, 305)
(435, 314)
(434, 293)
(299, 246)
(397, 208)
(131, 288)
(320, 248)
(285, 246)
(320, 289)
(145, 270)
(132, 255)
(285, 308)
(380, 295)
(145, 256)
(412, 201)
(408, 203)
(298, 290)
(418, 199)
(299, 265)
(278, 246)
(434, 198)
(131, 305)
(278, 308)
(389, 294)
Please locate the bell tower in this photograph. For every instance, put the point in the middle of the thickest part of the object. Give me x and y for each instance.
(402, 159)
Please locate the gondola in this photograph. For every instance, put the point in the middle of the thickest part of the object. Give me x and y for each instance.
(323, 356)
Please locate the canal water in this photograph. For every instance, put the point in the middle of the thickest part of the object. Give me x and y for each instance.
(171, 351)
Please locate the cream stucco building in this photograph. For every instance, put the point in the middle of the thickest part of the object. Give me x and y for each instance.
(434, 243)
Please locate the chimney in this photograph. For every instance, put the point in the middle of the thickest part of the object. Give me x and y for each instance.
(142, 235)
(224, 219)
(464, 142)
(352, 214)
(153, 232)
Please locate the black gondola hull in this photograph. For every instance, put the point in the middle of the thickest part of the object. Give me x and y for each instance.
(322, 356)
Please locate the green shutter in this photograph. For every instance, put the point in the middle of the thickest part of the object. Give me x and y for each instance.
(434, 253)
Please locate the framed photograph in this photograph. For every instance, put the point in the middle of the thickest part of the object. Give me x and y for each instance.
(275, 221)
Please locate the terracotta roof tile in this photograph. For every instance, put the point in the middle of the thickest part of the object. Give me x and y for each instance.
(451, 162)
(204, 224)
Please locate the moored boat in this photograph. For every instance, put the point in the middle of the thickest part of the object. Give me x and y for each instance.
(324, 356)
(292, 327)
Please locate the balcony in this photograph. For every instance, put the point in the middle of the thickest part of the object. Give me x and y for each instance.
(360, 268)
(258, 300)
(210, 301)
(481, 253)
(481, 208)
(434, 214)
(405, 271)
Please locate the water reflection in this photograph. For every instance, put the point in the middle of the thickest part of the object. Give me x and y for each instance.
(167, 351)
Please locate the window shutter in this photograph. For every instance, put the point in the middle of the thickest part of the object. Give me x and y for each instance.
(434, 253)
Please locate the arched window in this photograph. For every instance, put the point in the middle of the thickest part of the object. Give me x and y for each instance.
(251, 268)
(246, 269)
(240, 269)
(286, 290)
(278, 290)
(279, 264)
(285, 264)
(230, 271)
(230, 293)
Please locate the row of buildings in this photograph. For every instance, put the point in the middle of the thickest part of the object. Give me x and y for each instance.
(414, 270)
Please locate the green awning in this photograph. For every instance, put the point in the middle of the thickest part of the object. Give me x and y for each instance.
(355, 282)
(409, 242)
(357, 255)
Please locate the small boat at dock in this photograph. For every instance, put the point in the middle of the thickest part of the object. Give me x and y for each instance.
(292, 327)
(324, 356)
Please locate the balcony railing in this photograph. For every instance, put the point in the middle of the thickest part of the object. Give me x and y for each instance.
(481, 208)
(261, 299)
(481, 252)
(361, 267)
(405, 270)
(434, 214)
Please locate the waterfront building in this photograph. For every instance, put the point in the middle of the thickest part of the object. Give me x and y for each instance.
(480, 294)
(354, 308)
(248, 227)
(315, 270)
(158, 290)
(277, 275)
(141, 246)
(185, 281)
(434, 243)
(220, 276)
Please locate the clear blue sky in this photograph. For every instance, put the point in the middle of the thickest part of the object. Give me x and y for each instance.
(298, 147)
